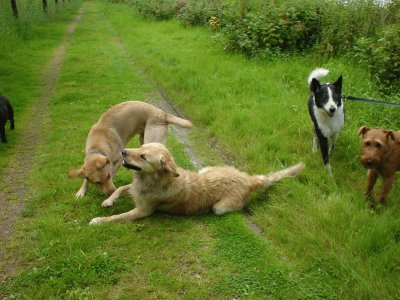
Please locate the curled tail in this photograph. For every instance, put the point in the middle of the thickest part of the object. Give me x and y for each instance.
(171, 119)
(317, 73)
(268, 180)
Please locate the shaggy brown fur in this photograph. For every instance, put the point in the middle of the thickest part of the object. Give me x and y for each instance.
(380, 154)
(112, 132)
(159, 185)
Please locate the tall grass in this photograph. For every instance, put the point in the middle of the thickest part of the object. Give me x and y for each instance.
(361, 30)
(30, 13)
(25, 47)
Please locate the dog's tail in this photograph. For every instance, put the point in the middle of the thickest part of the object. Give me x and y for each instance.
(317, 73)
(268, 180)
(171, 119)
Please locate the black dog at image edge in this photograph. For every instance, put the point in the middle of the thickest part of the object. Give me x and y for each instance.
(6, 113)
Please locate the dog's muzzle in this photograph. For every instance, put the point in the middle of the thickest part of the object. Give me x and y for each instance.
(369, 163)
(130, 166)
(331, 111)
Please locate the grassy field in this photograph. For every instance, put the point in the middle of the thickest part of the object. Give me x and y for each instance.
(318, 237)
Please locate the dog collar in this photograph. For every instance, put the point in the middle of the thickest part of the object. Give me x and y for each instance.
(96, 152)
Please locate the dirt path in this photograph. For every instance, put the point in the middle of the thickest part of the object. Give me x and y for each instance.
(14, 191)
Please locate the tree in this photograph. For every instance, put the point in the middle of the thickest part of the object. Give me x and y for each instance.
(44, 6)
(14, 8)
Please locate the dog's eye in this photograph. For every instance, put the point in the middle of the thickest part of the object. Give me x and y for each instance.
(378, 145)
(143, 157)
(109, 176)
(367, 144)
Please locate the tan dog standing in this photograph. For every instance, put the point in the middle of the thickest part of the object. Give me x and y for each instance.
(112, 132)
(380, 154)
(159, 185)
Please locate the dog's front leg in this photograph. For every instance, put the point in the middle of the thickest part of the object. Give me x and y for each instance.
(323, 143)
(128, 216)
(333, 142)
(314, 144)
(122, 190)
(82, 191)
(372, 177)
(386, 187)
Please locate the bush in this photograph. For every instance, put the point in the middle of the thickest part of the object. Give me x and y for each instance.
(259, 28)
(199, 12)
(381, 56)
(343, 23)
(292, 29)
(155, 9)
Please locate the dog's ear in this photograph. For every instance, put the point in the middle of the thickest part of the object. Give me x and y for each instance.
(338, 84)
(363, 130)
(169, 165)
(389, 134)
(101, 161)
(315, 85)
(76, 173)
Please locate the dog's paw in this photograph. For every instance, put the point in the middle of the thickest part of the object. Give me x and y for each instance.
(80, 194)
(314, 148)
(107, 203)
(96, 221)
(328, 169)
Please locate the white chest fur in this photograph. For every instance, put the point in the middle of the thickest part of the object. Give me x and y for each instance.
(329, 125)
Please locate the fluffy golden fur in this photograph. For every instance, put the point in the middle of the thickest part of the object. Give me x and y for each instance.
(380, 154)
(159, 185)
(112, 132)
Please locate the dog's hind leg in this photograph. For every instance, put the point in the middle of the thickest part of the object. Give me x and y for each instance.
(11, 116)
(155, 133)
(386, 187)
(122, 190)
(128, 216)
(229, 204)
(3, 133)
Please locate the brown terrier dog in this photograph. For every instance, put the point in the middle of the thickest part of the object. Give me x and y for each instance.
(380, 154)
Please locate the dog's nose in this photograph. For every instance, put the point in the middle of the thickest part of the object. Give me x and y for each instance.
(369, 162)
(332, 109)
(123, 152)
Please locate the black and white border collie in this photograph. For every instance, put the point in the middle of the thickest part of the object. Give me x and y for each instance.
(326, 109)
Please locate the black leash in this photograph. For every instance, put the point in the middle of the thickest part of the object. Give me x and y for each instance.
(370, 101)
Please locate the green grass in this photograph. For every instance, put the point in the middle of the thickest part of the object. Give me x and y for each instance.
(24, 52)
(319, 239)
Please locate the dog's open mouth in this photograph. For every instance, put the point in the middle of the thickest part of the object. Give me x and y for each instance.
(130, 166)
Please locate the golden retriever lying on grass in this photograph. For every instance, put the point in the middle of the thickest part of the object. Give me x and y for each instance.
(159, 185)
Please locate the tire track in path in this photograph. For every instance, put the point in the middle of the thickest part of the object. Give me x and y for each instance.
(14, 190)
